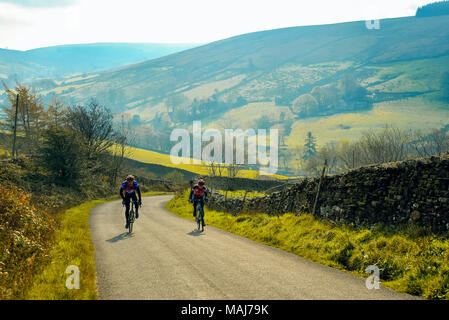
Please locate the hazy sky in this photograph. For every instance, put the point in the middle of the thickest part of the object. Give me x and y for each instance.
(26, 24)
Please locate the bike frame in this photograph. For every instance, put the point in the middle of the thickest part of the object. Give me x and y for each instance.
(131, 216)
(200, 215)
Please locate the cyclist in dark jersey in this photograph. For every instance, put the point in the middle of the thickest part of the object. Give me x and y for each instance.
(199, 194)
(128, 192)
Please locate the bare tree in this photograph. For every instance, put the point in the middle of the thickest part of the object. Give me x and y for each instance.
(390, 144)
(215, 169)
(435, 143)
(232, 170)
(123, 137)
(95, 125)
(328, 154)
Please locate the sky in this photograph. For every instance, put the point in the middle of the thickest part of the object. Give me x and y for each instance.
(27, 24)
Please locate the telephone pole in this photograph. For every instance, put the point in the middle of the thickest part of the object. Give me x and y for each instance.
(14, 151)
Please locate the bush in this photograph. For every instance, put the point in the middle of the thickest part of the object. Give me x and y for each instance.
(24, 236)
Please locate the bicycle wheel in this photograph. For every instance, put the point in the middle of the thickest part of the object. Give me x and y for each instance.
(198, 217)
(201, 214)
(131, 219)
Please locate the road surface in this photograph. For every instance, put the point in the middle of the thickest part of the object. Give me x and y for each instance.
(165, 258)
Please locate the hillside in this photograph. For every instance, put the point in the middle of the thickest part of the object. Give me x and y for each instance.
(285, 56)
(60, 61)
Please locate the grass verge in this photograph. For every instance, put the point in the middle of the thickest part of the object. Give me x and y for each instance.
(73, 246)
(241, 194)
(411, 259)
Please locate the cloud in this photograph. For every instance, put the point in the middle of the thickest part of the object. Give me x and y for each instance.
(41, 3)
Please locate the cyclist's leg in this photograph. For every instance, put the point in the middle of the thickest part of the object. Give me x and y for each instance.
(195, 203)
(136, 207)
(202, 212)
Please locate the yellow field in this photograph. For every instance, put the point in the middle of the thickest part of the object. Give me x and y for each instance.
(147, 156)
(4, 152)
(247, 116)
(412, 113)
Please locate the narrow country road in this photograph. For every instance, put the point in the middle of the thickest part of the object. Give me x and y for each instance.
(165, 258)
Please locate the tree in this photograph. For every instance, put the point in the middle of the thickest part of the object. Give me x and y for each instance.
(435, 143)
(309, 147)
(327, 154)
(175, 101)
(56, 113)
(388, 145)
(94, 123)
(62, 155)
(305, 105)
(351, 91)
(348, 155)
(123, 137)
(175, 177)
(433, 9)
(30, 116)
(215, 169)
(233, 170)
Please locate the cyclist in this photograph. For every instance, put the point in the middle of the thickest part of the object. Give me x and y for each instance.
(127, 192)
(199, 194)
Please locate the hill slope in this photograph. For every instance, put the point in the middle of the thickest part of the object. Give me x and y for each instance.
(249, 59)
(59, 61)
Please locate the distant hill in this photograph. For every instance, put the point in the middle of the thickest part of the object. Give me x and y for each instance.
(439, 8)
(60, 61)
(264, 66)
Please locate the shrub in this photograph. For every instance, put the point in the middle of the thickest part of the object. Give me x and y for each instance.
(24, 236)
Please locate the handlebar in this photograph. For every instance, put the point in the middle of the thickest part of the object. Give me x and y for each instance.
(135, 203)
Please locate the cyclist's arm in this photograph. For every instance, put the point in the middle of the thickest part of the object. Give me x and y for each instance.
(138, 193)
(121, 193)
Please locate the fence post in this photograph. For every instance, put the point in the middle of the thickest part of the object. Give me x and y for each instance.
(243, 201)
(319, 187)
(14, 151)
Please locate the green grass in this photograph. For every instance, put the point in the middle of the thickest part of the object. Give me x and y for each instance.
(411, 259)
(73, 246)
(241, 194)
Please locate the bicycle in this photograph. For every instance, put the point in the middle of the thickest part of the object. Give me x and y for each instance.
(131, 216)
(200, 216)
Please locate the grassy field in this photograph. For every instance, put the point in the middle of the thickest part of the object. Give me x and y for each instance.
(409, 76)
(241, 193)
(411, 259)
(73, 246)
(147, 156)
(4, 153)
(412, 113)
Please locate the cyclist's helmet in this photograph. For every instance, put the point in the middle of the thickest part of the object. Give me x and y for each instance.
(130, 178)
(201, 182)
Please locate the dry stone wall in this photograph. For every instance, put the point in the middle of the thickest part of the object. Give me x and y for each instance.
(413, 191)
